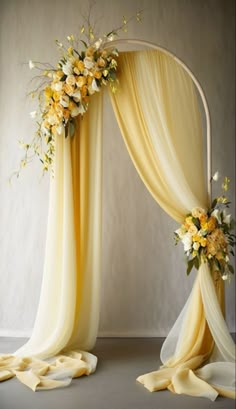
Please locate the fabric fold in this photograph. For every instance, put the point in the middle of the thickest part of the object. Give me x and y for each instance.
(68, 311)
(161, 125)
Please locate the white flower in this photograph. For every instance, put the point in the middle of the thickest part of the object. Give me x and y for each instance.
(31, 64)
(77, 96)
(225, 276)
(64, 101)
(94, 86)
(226, 217)
(187, 242)
(33, 114)
(181, 232)
(86, 72)
(75, 111)
(215, 177)
(57, 86)
(216, 214)
(196, 245)
(52, 119)
(82, 109)
(111, 37)
(67, 68)
(115, 52)
(98, 43)
(88, 63)
(60, 129)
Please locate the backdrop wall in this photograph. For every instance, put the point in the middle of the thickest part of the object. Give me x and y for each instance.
(143, 289)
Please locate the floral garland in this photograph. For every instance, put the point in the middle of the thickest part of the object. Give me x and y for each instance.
(206, 236)
(64, 91)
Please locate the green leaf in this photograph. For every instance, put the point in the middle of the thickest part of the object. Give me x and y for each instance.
(84, 43)
(63, 78)
(214, 203)
(190, 266)
(231, 269)
(196, 262)
(76, 52)
(71, 128)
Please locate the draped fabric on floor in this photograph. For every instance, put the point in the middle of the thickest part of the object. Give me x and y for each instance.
(68, 312)
(158, 114)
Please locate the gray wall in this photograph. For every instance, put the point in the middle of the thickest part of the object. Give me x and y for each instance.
(144, 285)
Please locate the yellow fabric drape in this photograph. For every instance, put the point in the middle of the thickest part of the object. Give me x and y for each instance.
(157, 111)
(67, 316)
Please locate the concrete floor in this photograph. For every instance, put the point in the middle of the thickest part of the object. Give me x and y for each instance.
(113, 386)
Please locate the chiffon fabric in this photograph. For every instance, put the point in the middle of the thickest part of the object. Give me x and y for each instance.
(158, 114)
(67, 317)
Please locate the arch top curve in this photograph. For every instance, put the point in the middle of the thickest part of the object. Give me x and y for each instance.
(154, 46)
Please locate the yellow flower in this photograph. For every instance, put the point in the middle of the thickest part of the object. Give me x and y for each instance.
(84, 90)
(72, 105)
(80, 81)
(70, 80)
(225, 184)
(198, 212)
(197, 238)
(101, 62)
(56, 96)
(89, 80)
(222, 199)
(97, 74)
(79, 64)
(104, 54)
(193, 230)
(188, 222)
(66, 114)
(48, 92)
(69, 89)
(59, 110)
(90, 52)
(203, 219)
(211, 223)
(216, 242)
(70, 50)
(203, 241)
(219, 255)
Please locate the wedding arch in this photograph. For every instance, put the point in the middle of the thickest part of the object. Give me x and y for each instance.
(157, 111)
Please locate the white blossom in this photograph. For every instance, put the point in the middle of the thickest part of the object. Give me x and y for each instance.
(226, 217)
(216, 214)
(215, 177)
(31, 64)
(187, 241)
(67, 68)
(33, 114)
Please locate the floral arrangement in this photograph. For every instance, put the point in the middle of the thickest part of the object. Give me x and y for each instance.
(64, 91)
(207, 235)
